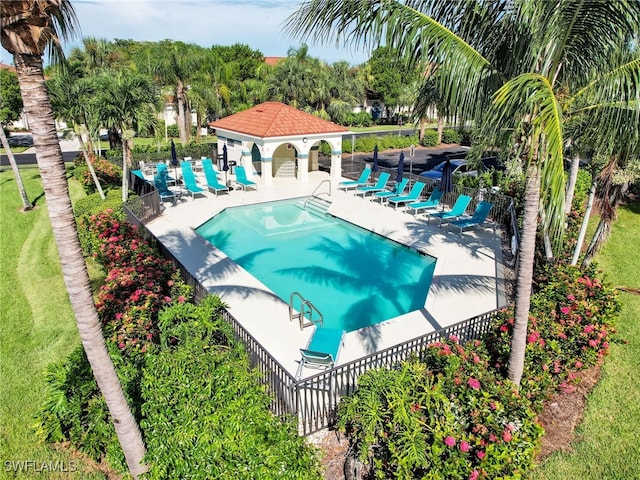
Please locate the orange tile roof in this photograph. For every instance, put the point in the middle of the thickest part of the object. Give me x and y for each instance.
(11, 68)
(275, 119)
(272, 61)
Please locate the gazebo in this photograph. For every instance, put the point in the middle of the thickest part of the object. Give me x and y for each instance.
(274, 140)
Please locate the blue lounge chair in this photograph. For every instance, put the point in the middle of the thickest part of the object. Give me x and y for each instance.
(162, 169)
(212, 178)
(414, 194)
(364, 177)
(242, 180)
(458, 209)
(322, 351)
(139, 174)
(189, 179)
(378, 187)
(160, 182)
(431, 204)
(397, 190)
(478, 218)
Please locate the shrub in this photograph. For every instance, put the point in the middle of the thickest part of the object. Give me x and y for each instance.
(109, 175)
(92, 204)
(450, 135)
(203, 406)
(430, 138)
(74, 410)
(571, 320)
(446, 416)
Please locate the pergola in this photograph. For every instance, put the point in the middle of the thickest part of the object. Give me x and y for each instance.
(274, 140)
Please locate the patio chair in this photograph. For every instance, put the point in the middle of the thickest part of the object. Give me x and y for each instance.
(458, 209)
(139, 174)
(162, 169)
(212, 178)
(414, 194)
(189, 179)
(397, 190)
(364, 177)
(378, 187)
(322, 351)
(478, 218)
(242, 180)
(431, 204)
(160, 182)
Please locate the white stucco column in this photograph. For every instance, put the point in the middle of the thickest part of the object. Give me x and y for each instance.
(336, 164)
(267, 171)
(245, 161)
(303, 168)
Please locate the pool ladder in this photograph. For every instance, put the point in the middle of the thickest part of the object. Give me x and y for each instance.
(305, 313)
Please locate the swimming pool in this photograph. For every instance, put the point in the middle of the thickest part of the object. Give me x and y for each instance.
(356, 278)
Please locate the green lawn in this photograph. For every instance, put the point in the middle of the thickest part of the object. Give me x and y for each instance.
(37, 326)
(607, 444)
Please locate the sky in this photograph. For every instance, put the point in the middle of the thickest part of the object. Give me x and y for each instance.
(257, 23)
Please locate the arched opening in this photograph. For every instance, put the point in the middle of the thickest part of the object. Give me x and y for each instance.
(256, 159)
(284, 163)
(320, 156)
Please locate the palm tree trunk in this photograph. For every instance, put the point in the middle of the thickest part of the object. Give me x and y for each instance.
(26, 204)
(126, 155)
(87, 159)
(74, 270)
(571, 185)
(585, 222)
(440, 129)
(423, 126)
(182, 113)
(524, 280)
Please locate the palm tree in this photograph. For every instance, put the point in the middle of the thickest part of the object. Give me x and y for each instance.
(176, 63)
(26, 203)
(10, 108)
(505, 65)
(127, 101)
(28, 28)
(71, 100)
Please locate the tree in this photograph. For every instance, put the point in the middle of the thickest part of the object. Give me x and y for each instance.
(389, 76)
(175, 65)
(128, 102)
(499, 68)
(10, 108)
(28, 28)
(71, 99)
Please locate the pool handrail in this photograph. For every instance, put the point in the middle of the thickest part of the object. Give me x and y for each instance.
(302, 313)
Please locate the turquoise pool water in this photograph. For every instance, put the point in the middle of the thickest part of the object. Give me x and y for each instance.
(354, 277)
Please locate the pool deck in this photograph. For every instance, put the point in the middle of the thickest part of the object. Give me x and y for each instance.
(468, 278)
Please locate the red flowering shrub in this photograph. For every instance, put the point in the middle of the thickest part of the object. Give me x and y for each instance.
(109, 174)
(138, 283)
(570, 324)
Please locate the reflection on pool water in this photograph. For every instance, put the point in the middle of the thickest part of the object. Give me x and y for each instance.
(356, 278)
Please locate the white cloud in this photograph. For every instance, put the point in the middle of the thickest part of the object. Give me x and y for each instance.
(203, 22)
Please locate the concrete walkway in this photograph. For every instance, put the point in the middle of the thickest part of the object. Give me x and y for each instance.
(468, 278)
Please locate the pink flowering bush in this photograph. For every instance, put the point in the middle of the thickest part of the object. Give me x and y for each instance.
(138, 284)
(109, 174)
(570, 327)
(447, 415)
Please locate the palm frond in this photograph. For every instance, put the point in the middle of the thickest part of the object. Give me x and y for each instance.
(529, 99)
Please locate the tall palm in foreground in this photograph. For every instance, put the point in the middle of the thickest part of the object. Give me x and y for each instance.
(28, 27)
(506, 64)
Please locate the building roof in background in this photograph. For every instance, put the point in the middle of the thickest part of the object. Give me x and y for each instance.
(8, 67)
(271, 61)
(275, 119)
